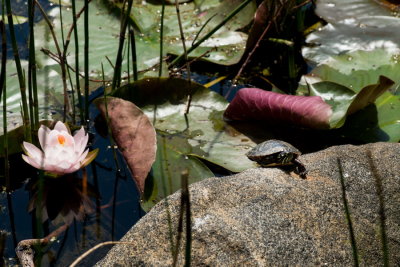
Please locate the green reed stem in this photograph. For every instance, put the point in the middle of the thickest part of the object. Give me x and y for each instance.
(4, 91)
(117, 70)
(189, 93)
(111, 139)
(86, 56)
(77, 83)
(61, 58)
(165, 171)
(21, 79)
(208, 35)
(127, 62)
(32, 81)
(134, 58)
(161, 38)
(73, 96)
(3, 58)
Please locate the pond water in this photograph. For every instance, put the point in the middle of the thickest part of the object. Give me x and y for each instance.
(111, 206)
(105, 211)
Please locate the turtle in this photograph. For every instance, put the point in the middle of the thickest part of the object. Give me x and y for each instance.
(277, 153)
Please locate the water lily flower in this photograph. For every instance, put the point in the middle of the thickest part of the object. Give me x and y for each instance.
(61, 152)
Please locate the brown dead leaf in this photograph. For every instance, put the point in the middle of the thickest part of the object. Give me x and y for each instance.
(134, 135)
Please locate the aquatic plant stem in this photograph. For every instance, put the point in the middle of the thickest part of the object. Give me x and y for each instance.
(86, 56)
(247, 60)
(161, 37)
(208, 35)
(32, 82)
(4, 92)
(111, 139)
(62, 60)
(134, 57)
(77, 82)
(21, 78)
(117, 70)
(165, 166)
(185, 56)
(107, 243)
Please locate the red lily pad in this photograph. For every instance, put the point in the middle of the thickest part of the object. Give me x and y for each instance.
(257, 104)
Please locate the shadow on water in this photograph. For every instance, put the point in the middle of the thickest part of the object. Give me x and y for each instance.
(104, 209)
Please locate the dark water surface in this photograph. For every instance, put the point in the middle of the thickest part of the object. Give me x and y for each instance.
(111, 206)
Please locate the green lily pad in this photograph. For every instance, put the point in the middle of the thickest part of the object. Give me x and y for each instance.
(196, 15)
(344, 101)
(202, 133)
(357, 71)
(353, 25)
(337, 10)
(165, 177)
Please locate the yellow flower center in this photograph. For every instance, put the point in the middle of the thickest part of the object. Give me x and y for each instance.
(61, 140)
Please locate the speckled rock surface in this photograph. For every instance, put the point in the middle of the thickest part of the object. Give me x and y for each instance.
(268, 217)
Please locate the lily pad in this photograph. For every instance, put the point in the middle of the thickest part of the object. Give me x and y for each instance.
(203, 133)
(344, 101)
(165, 177)
(270, 107)
(356, 71)
(353, 25)
(337, 10)
(196, 16)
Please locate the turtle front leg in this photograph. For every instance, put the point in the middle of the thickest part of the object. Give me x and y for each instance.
(300, 168)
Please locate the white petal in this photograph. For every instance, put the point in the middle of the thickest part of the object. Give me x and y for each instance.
(60, 126)
(43, 135)
(79, 135)
(83, 156)
(31, 162)
(80, 147)
(33, 151)
(81, 140)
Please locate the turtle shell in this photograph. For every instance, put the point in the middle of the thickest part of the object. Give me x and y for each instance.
(273, 153)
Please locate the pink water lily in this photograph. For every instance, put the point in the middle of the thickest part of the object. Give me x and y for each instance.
(61, 152)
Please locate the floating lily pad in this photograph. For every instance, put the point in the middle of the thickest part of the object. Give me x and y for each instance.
(356, 71)
(195, 15)
(344, 101)
(202, 133)
(337, 10)
(165, 177)
(353, 25)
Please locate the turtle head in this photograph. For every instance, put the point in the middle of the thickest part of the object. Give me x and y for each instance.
(286, 158)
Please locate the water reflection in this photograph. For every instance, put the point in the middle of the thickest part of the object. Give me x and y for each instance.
(63, 199)
(102, 209)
